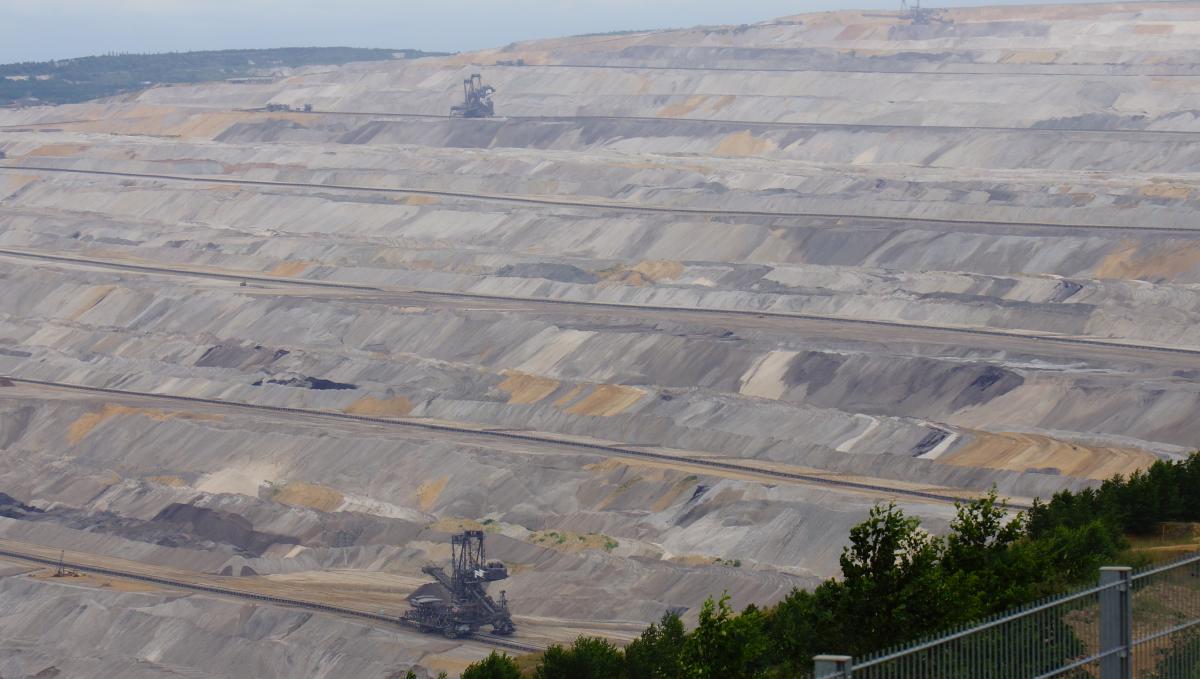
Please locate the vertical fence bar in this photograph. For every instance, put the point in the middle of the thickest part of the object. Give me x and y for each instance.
(831, 667)
(1116, 623)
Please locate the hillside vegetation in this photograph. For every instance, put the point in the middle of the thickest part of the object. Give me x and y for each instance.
(67, 81)
(899, 583)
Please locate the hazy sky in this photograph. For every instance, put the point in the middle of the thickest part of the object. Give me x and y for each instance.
(37, 30)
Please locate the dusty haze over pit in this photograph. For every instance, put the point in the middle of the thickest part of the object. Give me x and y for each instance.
(923, 258)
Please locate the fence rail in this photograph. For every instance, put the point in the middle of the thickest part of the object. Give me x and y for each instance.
(1131, 625)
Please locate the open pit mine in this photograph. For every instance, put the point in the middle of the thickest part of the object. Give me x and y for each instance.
(653, 316)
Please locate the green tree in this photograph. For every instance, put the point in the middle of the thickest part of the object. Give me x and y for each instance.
(981, 565)
(980, 533)
(725, 645)
(587, 658)
(495, 666)
(893, 584)
(657, 653)
(806, 624)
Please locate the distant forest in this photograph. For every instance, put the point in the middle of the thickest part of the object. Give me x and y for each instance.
(72, 80)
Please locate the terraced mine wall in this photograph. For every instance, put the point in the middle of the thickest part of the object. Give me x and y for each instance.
(844, 258)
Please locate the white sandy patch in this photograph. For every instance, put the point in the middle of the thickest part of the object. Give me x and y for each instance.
(366, 505)
(764, 379)
(942, 447)
(244, 480)
(847, 445)
(563, 344)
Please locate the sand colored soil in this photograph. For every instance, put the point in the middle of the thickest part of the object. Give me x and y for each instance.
(609, 465)
(561, 345)
(524, 389)
(91, 580)
(89, 299)
(211, 125)
(370, 406)
(1153, 29)
(428, 492)
(1030, 57)
(569, 396)
(656, 475)
(722, 102)
(1166, 190)
(169, 121)
(56, 150)
(1162, 262)
(289, 269)
(625, 277)
(691, 559)
(11, 183)
(451, 524)
(1167, 553)
(683, 108)
(645, 272)
(620, 490)
(764, 379)
(304, 494)
(852, 32)
(173, 481)
(83, 426)
(245, 479)
(683, 485)
(1021, 452)
(606, 400)
(566, 541)
(421, 200)
(744, 144)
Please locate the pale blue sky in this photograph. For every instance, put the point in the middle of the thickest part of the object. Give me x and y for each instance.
(36, 30)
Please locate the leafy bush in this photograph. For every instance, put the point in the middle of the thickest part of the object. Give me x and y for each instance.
(495, 666)
(587, 658)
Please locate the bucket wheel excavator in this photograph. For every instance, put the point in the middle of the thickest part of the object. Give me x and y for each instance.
(477, 99)
(462, 606)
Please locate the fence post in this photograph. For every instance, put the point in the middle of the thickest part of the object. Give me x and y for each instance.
(1116, 623)
(831, 666)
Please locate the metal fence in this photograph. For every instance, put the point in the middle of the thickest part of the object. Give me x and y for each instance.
(1132, 625)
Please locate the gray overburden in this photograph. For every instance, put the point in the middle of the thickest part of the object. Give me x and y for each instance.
(666, 325)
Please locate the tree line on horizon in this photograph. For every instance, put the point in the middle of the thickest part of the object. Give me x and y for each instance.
(65, 81)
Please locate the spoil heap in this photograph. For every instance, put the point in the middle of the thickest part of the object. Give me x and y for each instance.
(960, 254)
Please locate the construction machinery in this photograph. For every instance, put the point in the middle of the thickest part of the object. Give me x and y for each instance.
(477, 99)
(914, 12)
(62, 571)
(458, 604)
